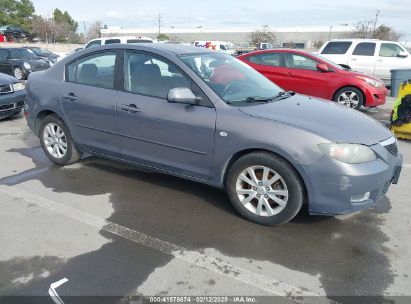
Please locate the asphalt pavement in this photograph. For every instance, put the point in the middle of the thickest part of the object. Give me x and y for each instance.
(112, 230)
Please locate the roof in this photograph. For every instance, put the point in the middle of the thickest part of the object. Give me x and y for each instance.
(177, 49)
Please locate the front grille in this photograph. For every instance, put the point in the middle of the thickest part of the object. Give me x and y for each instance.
(7, 107)
(392, 148)
(5, 88)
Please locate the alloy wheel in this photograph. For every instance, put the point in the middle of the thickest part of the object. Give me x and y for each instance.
(18, 73)
(349, 99)
(55, 140)
(262, 191)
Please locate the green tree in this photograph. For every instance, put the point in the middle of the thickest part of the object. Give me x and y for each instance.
(17, 12)
(64, 27)
(163, 37)
(262, 35)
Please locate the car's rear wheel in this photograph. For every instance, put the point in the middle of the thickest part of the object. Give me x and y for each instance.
(265, 189)
(56, 141)
(19, 73)
(350, 97)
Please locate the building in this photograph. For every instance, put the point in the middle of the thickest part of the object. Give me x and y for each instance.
(300, 37)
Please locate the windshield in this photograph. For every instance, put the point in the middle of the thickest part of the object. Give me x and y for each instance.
(233, 80)
(22, 54)
(40, 51)
(333, 64)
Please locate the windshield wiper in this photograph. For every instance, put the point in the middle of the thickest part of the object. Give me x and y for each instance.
(250, 99)
(282, 95)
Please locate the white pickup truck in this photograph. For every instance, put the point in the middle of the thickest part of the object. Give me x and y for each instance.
(369, 56)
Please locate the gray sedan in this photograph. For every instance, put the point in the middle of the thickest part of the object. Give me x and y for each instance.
(206, 116)
(12, 96)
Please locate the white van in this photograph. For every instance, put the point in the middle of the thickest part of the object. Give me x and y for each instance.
(370, 56)
(222, 46)
(112, 40)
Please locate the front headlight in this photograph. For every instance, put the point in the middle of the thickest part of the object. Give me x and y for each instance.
(348, 153)
(371, 82)
(27, 65)
(18, 86)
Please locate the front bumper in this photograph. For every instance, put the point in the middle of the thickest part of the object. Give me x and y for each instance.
(375, 96)
(334, 184)
(11, 103)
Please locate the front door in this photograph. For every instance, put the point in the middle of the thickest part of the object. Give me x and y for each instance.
(389, 59)
(170, 136)
(89, 102)
(5, 66)
(305, 78)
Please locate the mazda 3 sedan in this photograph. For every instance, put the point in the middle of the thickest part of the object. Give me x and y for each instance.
(210, 118)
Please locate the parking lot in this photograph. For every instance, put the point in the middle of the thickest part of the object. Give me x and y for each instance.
(112, 230)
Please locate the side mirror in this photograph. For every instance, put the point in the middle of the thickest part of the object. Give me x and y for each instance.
(182, 95)
(403, 55)
(322, 67)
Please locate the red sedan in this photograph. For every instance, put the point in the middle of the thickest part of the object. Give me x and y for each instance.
(310, 74)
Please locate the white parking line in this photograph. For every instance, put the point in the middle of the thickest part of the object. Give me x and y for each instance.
(217, 265)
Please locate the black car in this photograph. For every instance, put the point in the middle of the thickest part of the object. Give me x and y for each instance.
(14, 31)
(20, 62)
(44, 54)
(12, 96)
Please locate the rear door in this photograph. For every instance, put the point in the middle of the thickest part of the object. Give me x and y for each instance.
(388, 59)
(303, 76)
(89, 101)
(171, 136)
(337, 51)
(270, 64)
(363, 58)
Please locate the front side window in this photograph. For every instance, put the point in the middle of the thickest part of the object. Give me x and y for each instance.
(22, 54)
(233, 80)
(93, 43)
(152, 76)
(390, 50)
(337, 48)
(94, 70)
(364, 49)
(270, 59)
(294, 61)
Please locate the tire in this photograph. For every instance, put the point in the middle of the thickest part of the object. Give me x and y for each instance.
(289, 182)
(19, 73)
(49, 127)
(350, 97)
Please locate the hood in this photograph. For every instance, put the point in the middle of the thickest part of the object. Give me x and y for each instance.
(7, 79)
(38, 64)
(327, 119)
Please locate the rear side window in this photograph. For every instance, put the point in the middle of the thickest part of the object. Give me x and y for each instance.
(269, 59)
(112, 41)
(390, 50)
(337, 47)
(95, 70)
(364, 49)
(93, 44)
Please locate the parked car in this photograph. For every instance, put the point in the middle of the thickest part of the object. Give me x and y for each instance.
(310, 74)
(371, 56)
(208, 117)
(221, 46)
(114, 40)
(14, 31)
(20, 62)
(12, 96)
(44, 54)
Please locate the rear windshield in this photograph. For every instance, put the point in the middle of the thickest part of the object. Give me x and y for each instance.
(340, 47)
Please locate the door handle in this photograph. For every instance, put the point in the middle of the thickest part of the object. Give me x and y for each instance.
(70, 97)
(131, 108)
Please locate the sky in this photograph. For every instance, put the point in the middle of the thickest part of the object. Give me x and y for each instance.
(232, 14)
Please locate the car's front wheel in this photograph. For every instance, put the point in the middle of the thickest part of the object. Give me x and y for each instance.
(19, 73)
(350, 97)
(56, 141)
(265, 189)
